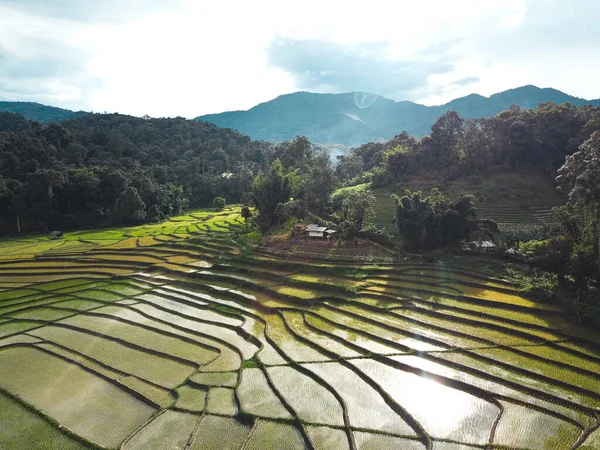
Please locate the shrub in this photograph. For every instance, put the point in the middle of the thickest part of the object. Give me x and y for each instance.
(551, 254)
(219, 203)
(378, 235)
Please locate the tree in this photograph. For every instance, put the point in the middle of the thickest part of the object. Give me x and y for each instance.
(269, 191)
(357, 210)
(551, 254)
(580, 176)
(297, 154)
(130, 208)
(435, 221)
(219, 203)
(349, 166)
(412, 215)
(319, 183)
(246, 214)
(445, 133)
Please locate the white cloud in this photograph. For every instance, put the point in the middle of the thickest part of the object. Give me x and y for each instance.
(190, 58)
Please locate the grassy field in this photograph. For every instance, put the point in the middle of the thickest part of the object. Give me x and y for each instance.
(169, 336)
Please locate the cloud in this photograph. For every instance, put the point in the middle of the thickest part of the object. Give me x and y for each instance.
(467, 81)
(186, 57)
(39, 61)
(88, 11)
(320, 65)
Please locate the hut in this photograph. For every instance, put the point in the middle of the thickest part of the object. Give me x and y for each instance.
(316, 231)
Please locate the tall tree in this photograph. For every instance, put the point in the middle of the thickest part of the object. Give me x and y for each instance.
(319, 183)
(580, 175)
(435, 221)
(357, 210)
(130, 207)
(445, 133)
(269, 191)
(297, 154)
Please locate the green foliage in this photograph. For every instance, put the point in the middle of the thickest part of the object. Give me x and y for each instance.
(219, 204)
(537, 139)
(270, 191)
(551, 254)
(246, 214)
(355, 210)
(71, 175)
(319, 183)
(130, 208)
(378, 235)
(297, 153)
(252, 363)
(435, 221)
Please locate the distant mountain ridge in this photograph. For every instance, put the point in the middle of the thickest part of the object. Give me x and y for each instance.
(348, 119)
(355, 118)
(40, 113)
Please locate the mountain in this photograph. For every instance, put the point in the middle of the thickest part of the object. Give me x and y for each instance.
(355, 118)
(40, 113)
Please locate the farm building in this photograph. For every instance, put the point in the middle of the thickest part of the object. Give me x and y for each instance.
(316, 231)
(479, 244)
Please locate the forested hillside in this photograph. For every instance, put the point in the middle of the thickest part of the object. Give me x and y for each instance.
(107, 169)
(538, 139)
(355, 118)
(40, 113)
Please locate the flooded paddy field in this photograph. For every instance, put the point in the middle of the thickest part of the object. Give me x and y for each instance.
(167, 336)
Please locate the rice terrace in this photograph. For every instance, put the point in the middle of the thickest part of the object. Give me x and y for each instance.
(174, 336)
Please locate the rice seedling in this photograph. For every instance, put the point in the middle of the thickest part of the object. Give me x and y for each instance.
(366, 408)
(18, 339)
(47, 314)
(13, 327)
(22, 429)
(171, 429)
(328, 438)
(527, 428)
(221, 401)
(257, 398)
(50, 384)
(156, 394)
(294, 349)
(191, 398)
(143, 337)
(443, 412)
(269, 434)
(301, 392)
(220, 433)
(223, 379)
(371, 441)
(134, 361)
(295, 321)
(422, 352)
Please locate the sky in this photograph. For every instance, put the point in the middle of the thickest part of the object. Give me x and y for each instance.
(193, 57)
